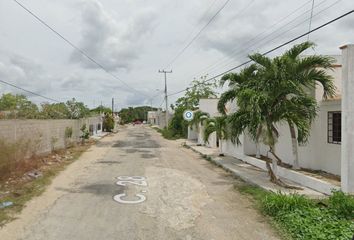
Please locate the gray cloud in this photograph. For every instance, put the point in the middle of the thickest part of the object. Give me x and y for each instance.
(135, 99)
(135, 38)
(113, 44)
(23, 72)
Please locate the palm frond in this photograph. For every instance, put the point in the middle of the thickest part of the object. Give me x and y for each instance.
(226, 97)
(297, 49)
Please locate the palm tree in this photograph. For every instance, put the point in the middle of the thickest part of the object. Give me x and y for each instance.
(198, 121)
(219, 126)
(235, 83)
(295, 77)
(275, 90)
(288, 78)
(198, 118)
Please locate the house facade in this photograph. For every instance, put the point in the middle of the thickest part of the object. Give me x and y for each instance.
(331, 143)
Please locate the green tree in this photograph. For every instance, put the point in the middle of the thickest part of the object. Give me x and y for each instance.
(199, 118)
(18, 106)
(77, 109)
(272, 91)
(54, 111)
(101, 109)
(304, 73)
(108, 122)
(219, 125)
(9, 102)
(131, 114)
(178, 127)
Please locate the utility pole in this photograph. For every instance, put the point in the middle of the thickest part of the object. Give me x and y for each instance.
(166, 115)
(313, 3)
(112, 107)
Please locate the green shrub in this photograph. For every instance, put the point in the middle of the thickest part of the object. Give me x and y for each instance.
(304, 219)
(315, 223)
(85, 134)
(108, 122)
(273, 204)
(68, 132)
(342, 204)
(167, 133)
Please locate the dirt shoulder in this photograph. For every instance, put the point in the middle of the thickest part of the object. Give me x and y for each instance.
(21, 189)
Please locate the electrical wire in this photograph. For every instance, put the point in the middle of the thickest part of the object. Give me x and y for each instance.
(28, 91)
(236, 51)
(272, 50)
(197, 35)
(196, 26)
(162, 103)
(279, 35)
(79, 50)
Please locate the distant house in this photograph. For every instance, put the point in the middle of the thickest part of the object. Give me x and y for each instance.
(152, 117)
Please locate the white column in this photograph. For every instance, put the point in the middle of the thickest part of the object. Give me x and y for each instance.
(347, 148)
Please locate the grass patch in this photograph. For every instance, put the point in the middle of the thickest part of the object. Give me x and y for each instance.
(301, 218)
(22, 189)
(167, 133)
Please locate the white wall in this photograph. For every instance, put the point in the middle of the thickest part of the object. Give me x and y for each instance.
(209, 106)
(317, 154)
(192, 133)
(231, 149)
(347, 159)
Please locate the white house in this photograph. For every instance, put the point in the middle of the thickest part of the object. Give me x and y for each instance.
(152, 117)
(196, 132)
(331, 145)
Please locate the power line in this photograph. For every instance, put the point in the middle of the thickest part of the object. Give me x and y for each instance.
(82, 52)
(28, 91)
(237, 51)
(271, 50)
(196, 25)
(163, 100)
(277, 36)
(198, 34)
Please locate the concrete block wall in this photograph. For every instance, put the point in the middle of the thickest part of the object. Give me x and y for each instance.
(46, 134)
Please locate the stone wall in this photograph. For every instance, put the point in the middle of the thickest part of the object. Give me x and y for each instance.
(46, 134)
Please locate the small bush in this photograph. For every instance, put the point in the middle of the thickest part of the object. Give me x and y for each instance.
(68, 135)
(68, 132)
(342, 204)
(273, 204)
(108, 122)
(85, 134)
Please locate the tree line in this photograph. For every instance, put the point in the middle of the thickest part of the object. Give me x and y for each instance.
(131, 114)
(18, 106)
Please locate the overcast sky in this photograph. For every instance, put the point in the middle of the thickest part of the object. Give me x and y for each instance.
(133, 39)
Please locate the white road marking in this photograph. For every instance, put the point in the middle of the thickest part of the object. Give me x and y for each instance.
(129, 181)
(118, 198)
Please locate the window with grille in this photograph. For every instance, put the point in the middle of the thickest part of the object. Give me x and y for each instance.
(334, 127)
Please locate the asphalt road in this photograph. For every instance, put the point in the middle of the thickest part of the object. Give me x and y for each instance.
(136, 185)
